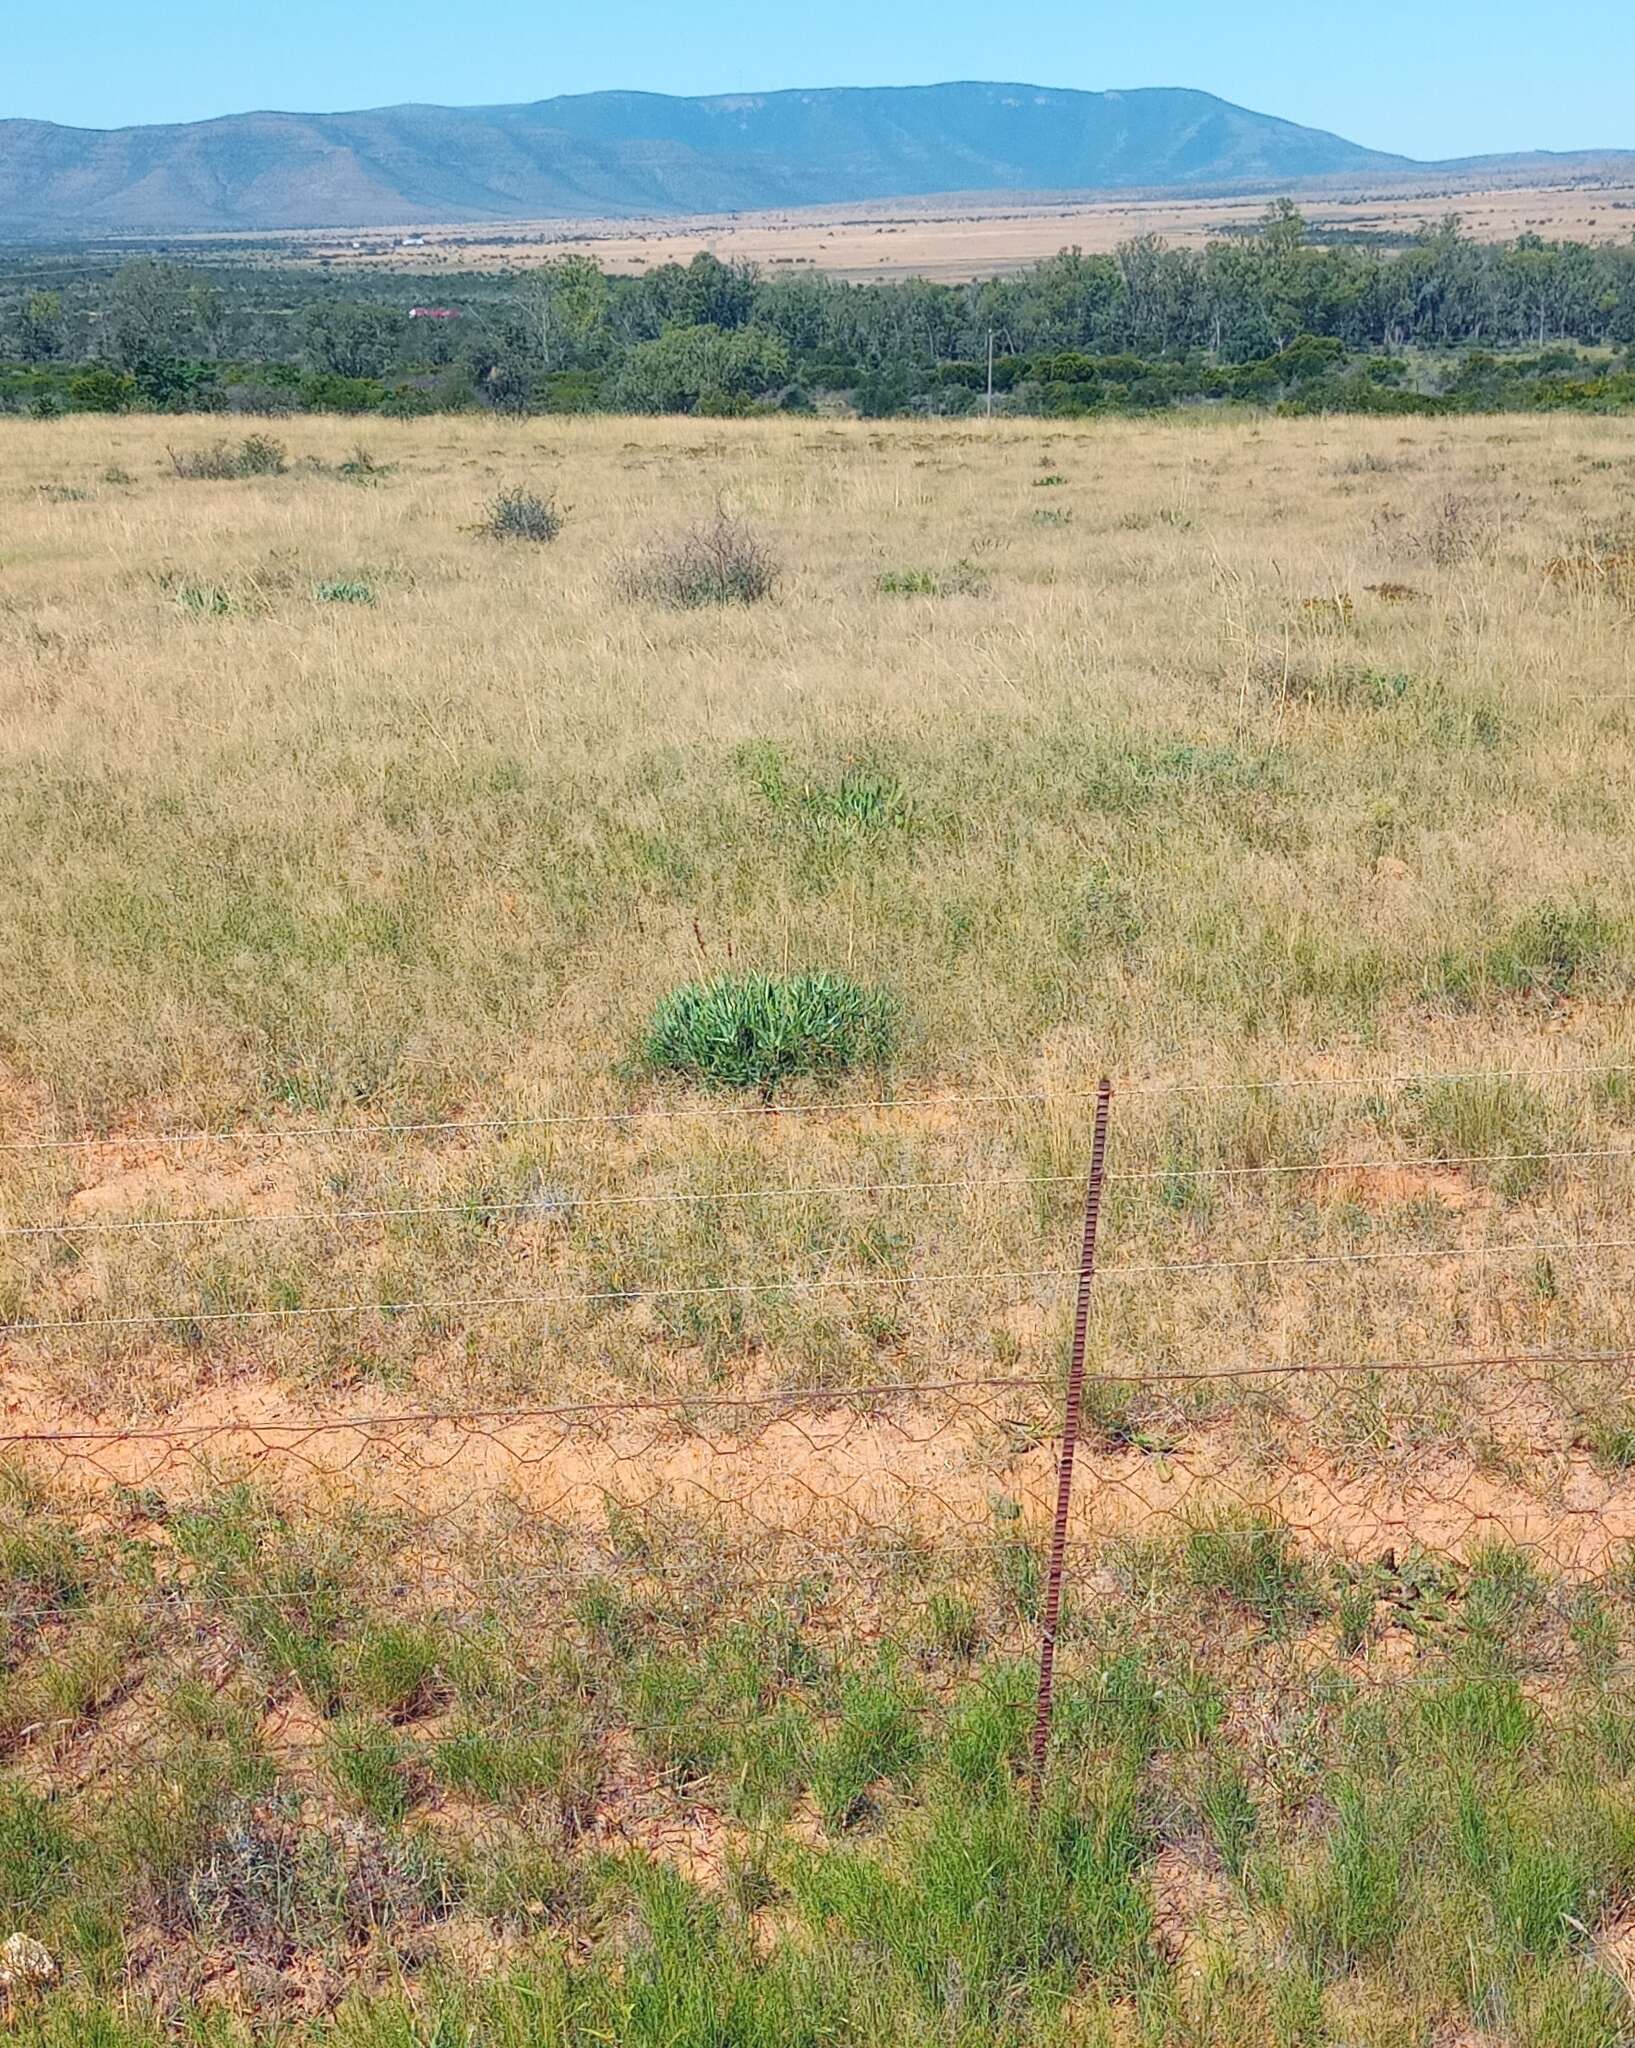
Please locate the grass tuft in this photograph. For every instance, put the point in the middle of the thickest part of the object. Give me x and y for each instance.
(755, 1031)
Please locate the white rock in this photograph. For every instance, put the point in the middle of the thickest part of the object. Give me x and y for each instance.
(23, 1960)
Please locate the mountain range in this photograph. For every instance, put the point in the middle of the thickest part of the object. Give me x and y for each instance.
(630, 155)
(623, 154)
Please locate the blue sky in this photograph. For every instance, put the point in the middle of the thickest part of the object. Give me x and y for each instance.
(1437, 78)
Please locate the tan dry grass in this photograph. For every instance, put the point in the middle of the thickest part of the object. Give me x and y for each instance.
(966, 236)
(438, 855)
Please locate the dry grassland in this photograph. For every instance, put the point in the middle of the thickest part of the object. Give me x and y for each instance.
(968, 236)
(1231, 752)
(1264, 765)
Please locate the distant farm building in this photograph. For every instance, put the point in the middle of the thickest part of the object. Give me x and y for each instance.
(434, 312)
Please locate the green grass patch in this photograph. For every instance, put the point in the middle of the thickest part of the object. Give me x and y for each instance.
(756, 1031)
(962, 579)
(1246, 1558)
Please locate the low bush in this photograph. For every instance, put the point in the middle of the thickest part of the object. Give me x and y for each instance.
(722, 562)
(521, 515)
(753, 1031)
(255, 455)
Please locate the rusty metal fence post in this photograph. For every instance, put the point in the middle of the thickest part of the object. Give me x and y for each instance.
(1070, 1443)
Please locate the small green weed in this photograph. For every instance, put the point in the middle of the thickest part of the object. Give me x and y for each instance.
(964, 579)
(205, 600)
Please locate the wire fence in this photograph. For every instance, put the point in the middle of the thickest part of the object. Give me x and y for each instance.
(1245, 1460)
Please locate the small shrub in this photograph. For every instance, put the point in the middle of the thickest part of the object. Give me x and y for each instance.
(521, 515)
(362, 467)
(1330, 614)
(753, 1031)
(723, 562)
(1050, 482)
(255, 455)
(215, 464)
(260, 455)
(344, 590)
(1458, 529)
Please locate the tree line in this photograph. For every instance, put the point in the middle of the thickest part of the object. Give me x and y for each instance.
(1438, 322)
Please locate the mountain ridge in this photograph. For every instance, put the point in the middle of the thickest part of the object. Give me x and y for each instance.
(628, 154)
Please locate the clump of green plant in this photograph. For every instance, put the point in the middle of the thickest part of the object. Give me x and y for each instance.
(42, 1568)
(964, 579)
(1546, 950)
(344, 590)
(1248, 1559)
(1052, 515)
(205, 600)
(864, 796)
(368, 1763)
(255, 455)
(721, 562)
(1348, 688)
(393, 1669)
(1550, 951)
(519, 514)
(755, 1030)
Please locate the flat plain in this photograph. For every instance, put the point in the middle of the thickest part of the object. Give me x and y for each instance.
(356, 1689)
(967, 235)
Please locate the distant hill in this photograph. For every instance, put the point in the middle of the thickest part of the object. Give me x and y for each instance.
(618, 153)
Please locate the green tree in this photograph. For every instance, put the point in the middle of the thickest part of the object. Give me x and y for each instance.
(147, 314)
(566, 306)
(42, 331)
(700, 369)
(344, 339)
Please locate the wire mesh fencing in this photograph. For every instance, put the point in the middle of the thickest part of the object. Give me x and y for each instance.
(280, 1410)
